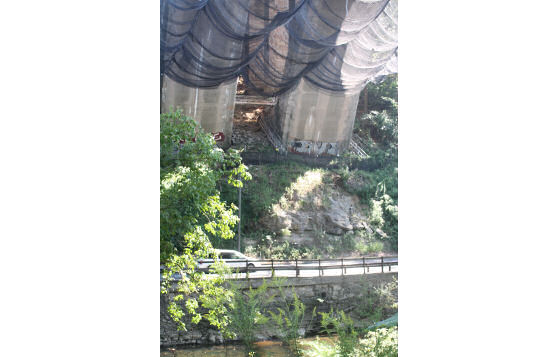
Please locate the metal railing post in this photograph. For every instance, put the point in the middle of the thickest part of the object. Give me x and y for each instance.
(247, 268)
(272, 266)
(342, 266)
(320, 271)
(382, 264)
(296, 269)
(364, 268)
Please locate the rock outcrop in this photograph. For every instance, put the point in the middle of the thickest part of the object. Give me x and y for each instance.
(333, 213)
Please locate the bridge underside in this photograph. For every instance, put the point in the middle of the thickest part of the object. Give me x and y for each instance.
(313, 56)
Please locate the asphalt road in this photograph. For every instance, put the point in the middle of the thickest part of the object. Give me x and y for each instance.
(310, 269)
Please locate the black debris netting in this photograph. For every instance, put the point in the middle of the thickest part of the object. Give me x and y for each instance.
(336, 45)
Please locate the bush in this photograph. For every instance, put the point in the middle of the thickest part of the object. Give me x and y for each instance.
(289, 320)
(379, 123)
(371, 185)
(368, 248)
(386, 297)
(369, 309)
(381, 127)
(270, 248)
(269, 184)
(379, 96)
(378, 129)
(342, 325)
(379, 190)
(384, 217)
(247, 313)
(382, 342)
(380, 302)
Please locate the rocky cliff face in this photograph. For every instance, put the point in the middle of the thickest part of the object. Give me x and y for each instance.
(313, 209)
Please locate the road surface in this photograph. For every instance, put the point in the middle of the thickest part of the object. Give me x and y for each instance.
(307, 270)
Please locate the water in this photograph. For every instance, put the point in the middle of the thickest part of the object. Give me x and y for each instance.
(263, 349)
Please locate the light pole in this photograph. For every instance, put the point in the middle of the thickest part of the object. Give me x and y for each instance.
(239, 223)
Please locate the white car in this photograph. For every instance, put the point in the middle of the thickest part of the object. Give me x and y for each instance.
(231, 258)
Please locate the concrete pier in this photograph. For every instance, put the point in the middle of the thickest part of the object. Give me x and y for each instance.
(313, 121)
(212, 108)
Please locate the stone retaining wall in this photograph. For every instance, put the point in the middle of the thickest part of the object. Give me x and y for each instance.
(339, 292)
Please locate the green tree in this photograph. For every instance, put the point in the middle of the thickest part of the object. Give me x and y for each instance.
(379, 122)
(192, 216)
(191, 166)
(378, 129)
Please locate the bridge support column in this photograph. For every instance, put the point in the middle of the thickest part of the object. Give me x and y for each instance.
(313, 121)
(212, 108)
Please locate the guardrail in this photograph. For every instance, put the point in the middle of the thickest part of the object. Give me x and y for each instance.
(274, 265)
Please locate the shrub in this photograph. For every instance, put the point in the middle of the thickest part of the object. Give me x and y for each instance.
(384, 216)
(247, 313)
(369, 247)
(271, 249)
(379, 123)
(380, 95)
(386, 297)
(382, 342)
(380, 302)
(382, 127)
(289, 320)
(369, 309)
(342, 325)
(379, 190)
(269, 184)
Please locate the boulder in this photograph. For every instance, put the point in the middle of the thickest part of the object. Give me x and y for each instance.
(299, 221)
(337, 221)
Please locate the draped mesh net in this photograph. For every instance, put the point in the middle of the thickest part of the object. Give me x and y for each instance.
(336, 45)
